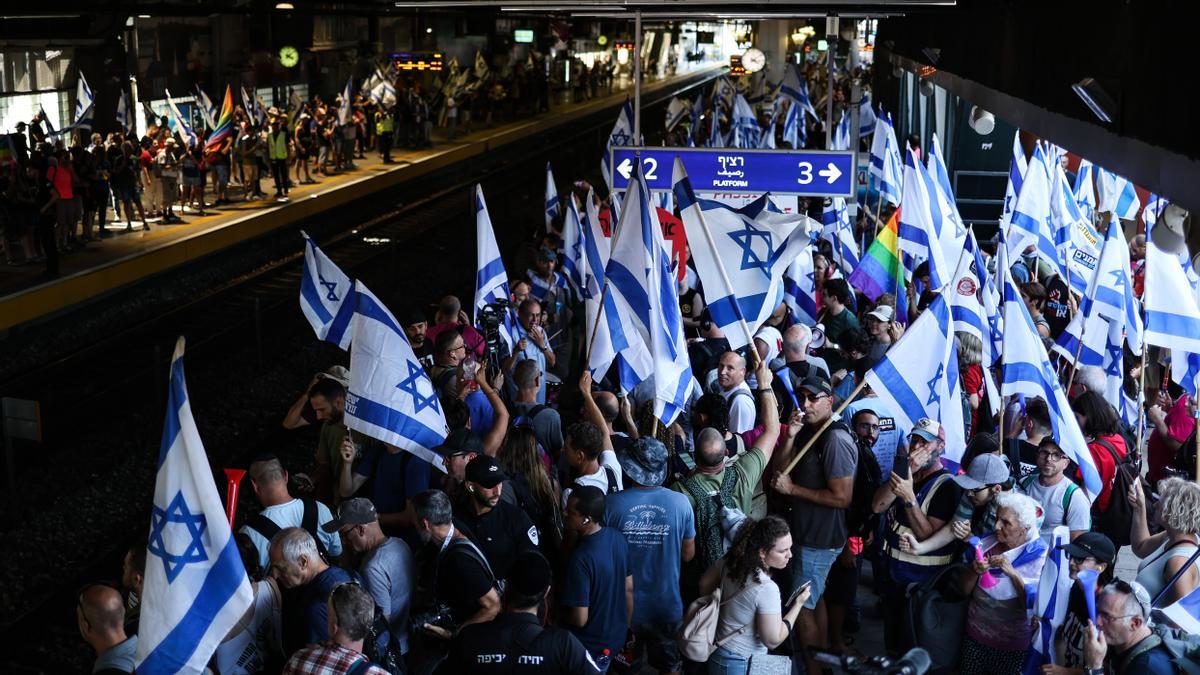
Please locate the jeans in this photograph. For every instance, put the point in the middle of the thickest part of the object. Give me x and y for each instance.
(725, 662)
(812, 564)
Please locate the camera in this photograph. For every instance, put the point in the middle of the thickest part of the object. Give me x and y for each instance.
(490, 318)
(439, 616)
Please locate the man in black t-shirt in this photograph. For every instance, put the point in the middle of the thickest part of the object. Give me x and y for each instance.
(515, 642)
(501, 530)
(463, 579)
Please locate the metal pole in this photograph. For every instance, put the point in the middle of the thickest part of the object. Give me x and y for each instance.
(637, 77)
(855, 144)
(831, 30)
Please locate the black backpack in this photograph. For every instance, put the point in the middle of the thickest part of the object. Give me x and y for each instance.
(860, 516)
(268, 529)
(1115, 521)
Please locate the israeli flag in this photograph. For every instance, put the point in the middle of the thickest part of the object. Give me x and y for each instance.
(207, 110)
(766, 141)
(195, 588)
(794, 87)
(1185, 613)
(1107, 306)
(918, 234)
(841, 135)
(390, 397)
(178, 124)
(551, 198)
(1172, 317)
(745, 124)
(866, 116)
(1117, 194)
(800, 288)
(491, 281)
(1027, 371)
(1030, 219)
(715, 138)
(724, 91)
(639, 277)
(123, 119)
(951, 230)
(741, 293)
(1050, 608)
(885, 164)
(347, 100)
(967, 297)
(1155, 205)
(249, 104)
(794, 132)
(85, 103)
(384, 93)
(1016, 178)
(621, 134)
(1074, 235)
(836, 229)
(918, 377)
(324, 290)
(1084, 189)
(677, 109)
(572, 246)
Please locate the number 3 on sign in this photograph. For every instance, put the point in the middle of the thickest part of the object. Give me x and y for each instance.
(805, 173)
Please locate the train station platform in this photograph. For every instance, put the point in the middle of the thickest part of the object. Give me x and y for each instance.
(109, 264)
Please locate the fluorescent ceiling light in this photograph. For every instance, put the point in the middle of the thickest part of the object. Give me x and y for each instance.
(1096, 99)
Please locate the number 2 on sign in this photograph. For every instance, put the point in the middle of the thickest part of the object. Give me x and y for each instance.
(805, 173)
(649, 166)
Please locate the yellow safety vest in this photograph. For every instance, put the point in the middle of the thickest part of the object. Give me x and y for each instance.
(383, 125)
(891, 543)
(277, 145)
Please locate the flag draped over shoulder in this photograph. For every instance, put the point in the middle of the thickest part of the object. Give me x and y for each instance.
(195, 588)
(326, 296)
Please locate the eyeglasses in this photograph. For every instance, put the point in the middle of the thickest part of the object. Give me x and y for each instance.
(868, 426)
(1052, 456)
(813, 398)
(1138, 592)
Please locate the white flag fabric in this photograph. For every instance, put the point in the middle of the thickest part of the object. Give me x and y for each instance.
(1172, 315)
(1084, 188)
(491, 280)
(966, 294)
(551, 198)
(835, 228)
(800, 289)
(918, 234)
(886, 165)
(123, 118)
(1050, 610)
(677, 109)
(248, 103)
(1077, 241)
(794, 132)
(794, 87)
(918, 377)
(1029, 222)
(866, 116)
(347, 100)
(1016, 178)
(639, 276)
(572, 246)
(1116, 194)
(195, 588)
(1185, 612)
(1027, 370)
(766, 141)
(841, 135)
(178, 123)
(745, 124)
(324, 293)
(207, 110)
(951, 232)
(740, 259)
(621, 134)
(85, 103)
(390, 397)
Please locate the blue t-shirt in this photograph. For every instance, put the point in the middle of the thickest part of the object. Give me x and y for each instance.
(596, 579)
(891, 436)
(655, 522)
(398, 476)
(313, 599)
(483, 418)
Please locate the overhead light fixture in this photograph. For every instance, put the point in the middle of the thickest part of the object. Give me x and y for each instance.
(284, 5)
(982, 121)
(429, 30)
(1096, 99)
(926, 88)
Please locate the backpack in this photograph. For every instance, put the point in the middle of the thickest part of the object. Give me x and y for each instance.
(697, 638)
(937, 613)
(390, 658)
(268, 529)
(1114, 522)
(867, 479)
(1067, 495)
(715, 515)
(527, 418)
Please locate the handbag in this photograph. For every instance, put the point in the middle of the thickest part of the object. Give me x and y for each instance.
(769, 664)
(697, 636)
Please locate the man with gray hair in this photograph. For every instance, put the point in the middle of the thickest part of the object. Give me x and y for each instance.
(297, 565)
(280, 510)
(350, 612)
(527, 380)
(1122, 638)
(463, 580)
(798, 364)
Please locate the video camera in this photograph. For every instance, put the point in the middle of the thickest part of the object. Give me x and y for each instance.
(915, 662)
(490, 318)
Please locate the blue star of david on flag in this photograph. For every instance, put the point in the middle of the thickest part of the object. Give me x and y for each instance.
(750, 257)
(410, 386)
(619, 137)
(937, 377)
(195, 524)
(331, 287)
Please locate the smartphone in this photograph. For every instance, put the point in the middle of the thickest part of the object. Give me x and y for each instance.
(796, 593)
(900, 464)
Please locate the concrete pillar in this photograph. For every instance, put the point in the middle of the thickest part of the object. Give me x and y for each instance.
(772, 39)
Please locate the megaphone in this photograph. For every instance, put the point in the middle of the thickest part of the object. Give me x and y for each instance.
(1172, 233)
(1087, 581)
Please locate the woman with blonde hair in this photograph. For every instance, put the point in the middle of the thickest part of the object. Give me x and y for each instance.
(1167, 553)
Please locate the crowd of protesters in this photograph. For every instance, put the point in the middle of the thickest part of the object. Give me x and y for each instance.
(565, 530)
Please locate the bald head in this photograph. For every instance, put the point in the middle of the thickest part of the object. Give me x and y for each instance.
(609, 405)
(103, 609)
(795, 342)
(710, 447)
(448, 309)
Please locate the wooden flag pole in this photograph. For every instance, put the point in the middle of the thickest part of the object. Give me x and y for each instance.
(836, 414)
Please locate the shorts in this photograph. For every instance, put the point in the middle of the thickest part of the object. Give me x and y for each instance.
(192, 181)
(812, 564)
(126, 194)
(662, 651)
(222, 173)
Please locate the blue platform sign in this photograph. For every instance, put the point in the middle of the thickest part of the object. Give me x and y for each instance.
(808, 173)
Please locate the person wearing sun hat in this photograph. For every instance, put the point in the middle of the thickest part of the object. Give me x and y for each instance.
(661, 530)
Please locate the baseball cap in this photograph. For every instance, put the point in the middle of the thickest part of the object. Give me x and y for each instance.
(485, 471)
(460, 442)
(1092, 545)
(816, 384)
(930, 430)
(984, 470)
(357, 511)
(882, 313)
(645, 461)
(338, 374)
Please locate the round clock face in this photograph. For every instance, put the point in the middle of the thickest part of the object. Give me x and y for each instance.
(289, 57)
(753, 60)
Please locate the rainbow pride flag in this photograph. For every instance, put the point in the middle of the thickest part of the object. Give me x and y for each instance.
(880, 270)
(222, 136)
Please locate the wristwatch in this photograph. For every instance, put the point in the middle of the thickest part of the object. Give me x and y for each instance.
(1094, 671)
(910, 504)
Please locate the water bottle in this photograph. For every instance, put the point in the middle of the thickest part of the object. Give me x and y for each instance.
(603, 661)
(468, 368)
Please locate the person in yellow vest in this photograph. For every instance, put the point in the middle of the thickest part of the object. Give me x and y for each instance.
(277, 152)
(384, 125)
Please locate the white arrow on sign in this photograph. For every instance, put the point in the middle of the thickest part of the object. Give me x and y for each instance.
(626, 167)
(831, 173)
